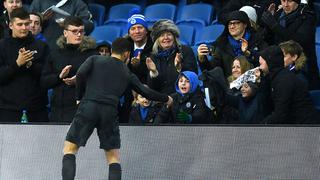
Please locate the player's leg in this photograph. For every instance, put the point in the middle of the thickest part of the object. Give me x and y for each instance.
(113, 159)
(69, 160)
(79, 132)
(109, 136)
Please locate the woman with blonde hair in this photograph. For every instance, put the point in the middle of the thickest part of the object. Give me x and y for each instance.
(239, 66)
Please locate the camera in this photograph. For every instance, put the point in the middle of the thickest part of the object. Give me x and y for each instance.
(211, 50)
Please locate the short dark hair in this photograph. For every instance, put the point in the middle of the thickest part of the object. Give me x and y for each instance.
(73, 21)
(120, 45)
(39, 15)
(19, 13)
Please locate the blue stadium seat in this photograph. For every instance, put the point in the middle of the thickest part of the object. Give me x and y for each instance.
(315, 96)
(318, 54)
(318, 35)
(316, 6)
(208, 34)
(186, 34)
(159, 11)
(98, 13)
(119, 14)
(197, 15)
(106, 33)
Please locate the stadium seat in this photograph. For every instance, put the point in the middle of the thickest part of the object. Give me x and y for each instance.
(318, 35)
(98, 13)
(186, 34)
(315, 96)
(119, 14)
(316, 6)
(106, 33)
(197, 15)
(208, 34)
(318, 54)
(159, 11)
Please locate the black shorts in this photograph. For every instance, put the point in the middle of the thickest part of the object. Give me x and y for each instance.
(90, 115)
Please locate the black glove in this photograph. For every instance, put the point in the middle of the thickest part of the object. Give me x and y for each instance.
(184, 117)
(269, 19)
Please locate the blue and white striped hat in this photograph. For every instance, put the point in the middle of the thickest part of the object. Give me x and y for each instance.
(136, 18)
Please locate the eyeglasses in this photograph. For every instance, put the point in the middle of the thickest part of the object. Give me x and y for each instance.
(76, 31)
(235, 23)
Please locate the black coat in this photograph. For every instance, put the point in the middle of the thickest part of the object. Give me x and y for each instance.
(193, 104)
(20, 86)
(165, 81)
(141, 71)
(105, 79)
(291, 99)
(224, 54)
(300, 26)
(5, 31)
(63, 95)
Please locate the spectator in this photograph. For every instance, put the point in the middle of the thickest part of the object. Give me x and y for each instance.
(188, 103)
(239, 66)
(9, 5)
(294, 58)
(141, 44)
(141, 47)
(252, 14)
(237, 39)
(168, 57)
(36, 26)
(53, 22)
(292, 103)
(143, 110)
(104, 48)
(259, 5)
(250, 104)
(62, 65)
(21, 61)
(295, 22)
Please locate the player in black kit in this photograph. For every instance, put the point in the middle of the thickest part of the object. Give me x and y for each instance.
(100, 82)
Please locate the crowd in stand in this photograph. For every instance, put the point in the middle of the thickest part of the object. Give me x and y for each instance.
(259, 71)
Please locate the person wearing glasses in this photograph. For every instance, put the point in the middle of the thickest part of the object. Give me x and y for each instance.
(21, 62)
(237, 39)
(61, 67)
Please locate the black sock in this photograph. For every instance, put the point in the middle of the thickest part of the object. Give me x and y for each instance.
(68, 167)
(115, 171)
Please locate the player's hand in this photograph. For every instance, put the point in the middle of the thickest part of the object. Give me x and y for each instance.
(65, 71)
(70, 81)
(135, 61)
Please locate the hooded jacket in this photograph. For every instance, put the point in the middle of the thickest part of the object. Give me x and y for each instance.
(64, 95)
(290, 96)
(192, 103)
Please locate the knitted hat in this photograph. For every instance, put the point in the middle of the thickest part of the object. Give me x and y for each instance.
(273, 56)
(251, 13)
(136, 18)
(163, 25)
(238, 15)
